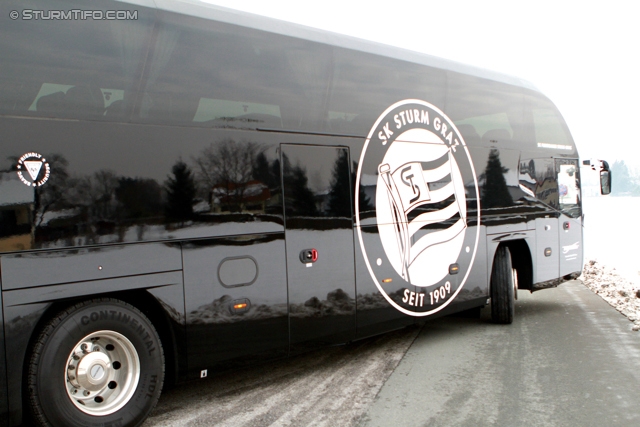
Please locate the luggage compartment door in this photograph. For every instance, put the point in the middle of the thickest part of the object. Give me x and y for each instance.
(319, 244)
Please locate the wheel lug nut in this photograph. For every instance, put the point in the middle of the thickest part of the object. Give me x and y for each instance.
(86, 392)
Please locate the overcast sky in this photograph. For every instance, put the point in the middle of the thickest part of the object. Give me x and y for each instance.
(583, 55)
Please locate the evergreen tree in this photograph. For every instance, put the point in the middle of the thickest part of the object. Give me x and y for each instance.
(138, 198)
(262, 171)
(340, 193)
(495, 193)
(304, 202)
(181, 192)
(624, 182)
(300, 200)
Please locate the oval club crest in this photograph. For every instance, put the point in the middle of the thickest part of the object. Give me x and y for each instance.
(417, 184)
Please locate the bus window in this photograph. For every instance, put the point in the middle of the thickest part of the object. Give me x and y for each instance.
(569, 187)
(77, 69)
(213, 74)
(499, 121)
(549, 129)
(233, 111)
(361, 83)
(489, 122)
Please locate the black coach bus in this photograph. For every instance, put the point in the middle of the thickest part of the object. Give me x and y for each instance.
(185, 187)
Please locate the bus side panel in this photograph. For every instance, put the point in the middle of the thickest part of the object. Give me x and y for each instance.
(24, 308)
(374, 313)
(236, 300)
(33, 269)
(4, 416)
(476, 286)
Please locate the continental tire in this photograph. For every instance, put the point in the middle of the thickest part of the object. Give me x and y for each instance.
(97, 363)
(502, 287)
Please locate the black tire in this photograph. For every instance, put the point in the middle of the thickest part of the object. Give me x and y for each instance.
(97, 363)
(502, 287)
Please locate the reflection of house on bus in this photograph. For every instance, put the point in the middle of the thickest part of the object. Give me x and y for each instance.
(252, 196)
(15, 213)
(539, 177)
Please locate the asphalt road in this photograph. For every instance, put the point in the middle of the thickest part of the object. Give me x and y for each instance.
(569, 359)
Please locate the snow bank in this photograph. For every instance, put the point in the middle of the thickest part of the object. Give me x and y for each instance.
(621, 293)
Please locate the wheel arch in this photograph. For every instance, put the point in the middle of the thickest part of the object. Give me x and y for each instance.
(142, 299)
(520, 258)
(521, 261)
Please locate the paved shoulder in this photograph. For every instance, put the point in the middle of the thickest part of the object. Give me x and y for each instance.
(569, 359)
(328, 387)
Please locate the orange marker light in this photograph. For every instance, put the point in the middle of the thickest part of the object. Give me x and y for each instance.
(387, 280)
(240, 306)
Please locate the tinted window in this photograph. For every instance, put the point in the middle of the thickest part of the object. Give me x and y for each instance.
(539, 176)
(212, 74)
(364, 85)
(485, 111)
(569, 187)
(550, 130)
(71, 68)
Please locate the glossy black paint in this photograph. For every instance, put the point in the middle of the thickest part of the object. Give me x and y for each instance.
(4, 398)
(189, 170)
(318, 214)
(218, 335)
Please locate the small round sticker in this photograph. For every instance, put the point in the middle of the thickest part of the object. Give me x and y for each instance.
(33, 169)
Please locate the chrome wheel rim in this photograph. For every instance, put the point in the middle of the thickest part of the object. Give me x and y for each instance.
(102, 373)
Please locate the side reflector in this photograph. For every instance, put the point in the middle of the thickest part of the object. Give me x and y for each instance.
(387, 280)
(239, 306)
(454, 268)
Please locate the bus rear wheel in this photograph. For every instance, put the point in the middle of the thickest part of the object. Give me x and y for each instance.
(503, 287)
(99, 362)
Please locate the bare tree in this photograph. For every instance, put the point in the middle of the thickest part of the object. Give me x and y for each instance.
(225, 168)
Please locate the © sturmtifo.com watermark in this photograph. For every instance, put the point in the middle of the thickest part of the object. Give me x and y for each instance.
(74, 14)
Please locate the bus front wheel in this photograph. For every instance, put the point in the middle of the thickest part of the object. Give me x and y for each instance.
(96, 363)
(503, 287)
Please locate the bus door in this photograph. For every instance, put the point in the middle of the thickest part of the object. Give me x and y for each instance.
(570, 223)
(319, 244)
(541, 172)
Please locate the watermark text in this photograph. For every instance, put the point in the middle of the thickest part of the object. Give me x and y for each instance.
(74, 15)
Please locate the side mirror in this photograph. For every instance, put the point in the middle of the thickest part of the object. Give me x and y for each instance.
(605, 182)
(605, 174)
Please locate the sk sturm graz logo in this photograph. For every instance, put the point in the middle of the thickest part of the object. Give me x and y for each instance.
(418, 242)
(33, 169)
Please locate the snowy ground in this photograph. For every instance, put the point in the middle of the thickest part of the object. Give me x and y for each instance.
(611, 262)
(623, 294)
